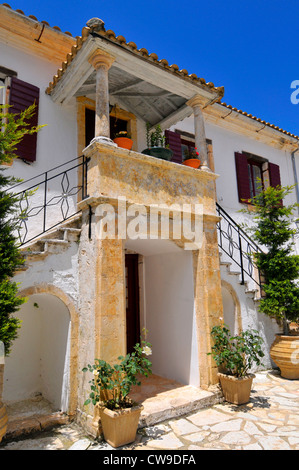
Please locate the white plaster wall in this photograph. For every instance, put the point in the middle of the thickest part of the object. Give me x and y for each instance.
(56, 142)
(39, 362)
(170, 317)
(225, 144)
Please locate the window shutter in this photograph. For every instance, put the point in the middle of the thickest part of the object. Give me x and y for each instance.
(173, 139)
(274, 175)
(242, 177)
(21, 96)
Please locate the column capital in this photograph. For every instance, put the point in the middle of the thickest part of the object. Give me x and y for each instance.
(99, 58)
(197, 101)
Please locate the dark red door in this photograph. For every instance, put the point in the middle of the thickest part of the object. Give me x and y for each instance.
(132, 302)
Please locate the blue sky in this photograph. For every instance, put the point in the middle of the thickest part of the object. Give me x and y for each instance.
(249, 47)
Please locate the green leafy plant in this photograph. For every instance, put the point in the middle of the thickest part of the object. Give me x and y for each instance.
(155, 138)
(13, 128)
(273, 228)
(236, 354)
(111, 385)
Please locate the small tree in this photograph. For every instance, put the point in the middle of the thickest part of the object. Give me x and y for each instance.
(13, 129)
(278, 264)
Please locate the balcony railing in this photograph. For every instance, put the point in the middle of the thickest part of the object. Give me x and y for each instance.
(50, 198)
(240, 248)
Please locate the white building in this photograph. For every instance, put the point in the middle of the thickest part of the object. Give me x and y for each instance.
(60, 332)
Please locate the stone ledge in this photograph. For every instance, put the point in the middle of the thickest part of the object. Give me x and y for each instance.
(20, 427)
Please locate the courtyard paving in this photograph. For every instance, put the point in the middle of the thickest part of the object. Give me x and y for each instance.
(270, 421)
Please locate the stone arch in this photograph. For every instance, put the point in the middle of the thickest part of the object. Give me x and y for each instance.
(52, 290)
(231, 302)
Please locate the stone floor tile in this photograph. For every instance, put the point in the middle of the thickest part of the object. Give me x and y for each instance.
(167, 441)
(208, 417)
(182, 426)
(232, 425)
(273, 443)
(236, 438)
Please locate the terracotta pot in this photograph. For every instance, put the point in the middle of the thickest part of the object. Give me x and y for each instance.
(285, 353)
(120, 427)
(236, 390)
(193, 162)
(124, 142)
(3, 421)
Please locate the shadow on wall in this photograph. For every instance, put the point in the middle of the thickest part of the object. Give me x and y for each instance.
(39, 361)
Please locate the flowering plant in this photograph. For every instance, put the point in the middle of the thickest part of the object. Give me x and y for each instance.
(122, 134)
(111, 385)
(191, 153)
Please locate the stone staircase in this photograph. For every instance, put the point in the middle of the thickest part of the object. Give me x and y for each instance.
(54, 241)
(250, 290)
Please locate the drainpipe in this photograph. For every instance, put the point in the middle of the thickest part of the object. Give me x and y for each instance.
(295, 176)
(297, 190)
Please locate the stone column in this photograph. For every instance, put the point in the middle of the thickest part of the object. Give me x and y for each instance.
(199, 127)
(207, 299)
(102, 62)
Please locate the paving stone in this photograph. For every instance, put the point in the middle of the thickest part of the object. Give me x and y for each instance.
(236, 438)
(182, 426)
(82, 444)
(208, 417)
(197, 436)
(273, 443)
(251, 429)
(167, 441)
(232, 425)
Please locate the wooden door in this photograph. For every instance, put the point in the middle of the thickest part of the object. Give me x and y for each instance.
(132, 302)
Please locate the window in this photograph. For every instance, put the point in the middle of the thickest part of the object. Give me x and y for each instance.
(19, 95)
(254, 173)
(180, 141)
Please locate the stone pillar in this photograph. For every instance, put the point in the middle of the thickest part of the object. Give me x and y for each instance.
(102, 62)
(207, 299)
(199, 127)
(110, 308)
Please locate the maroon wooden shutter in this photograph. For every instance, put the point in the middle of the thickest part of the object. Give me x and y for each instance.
(21, 96)
(242, 177)
(274, 174)
(173, 139)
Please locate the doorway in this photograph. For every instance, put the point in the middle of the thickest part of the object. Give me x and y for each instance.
(132, 301)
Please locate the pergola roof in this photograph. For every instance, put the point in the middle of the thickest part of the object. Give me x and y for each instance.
(155, 91)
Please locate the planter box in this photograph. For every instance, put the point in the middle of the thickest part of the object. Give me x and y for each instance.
(3, 421)
(120, 427)
(236, 390)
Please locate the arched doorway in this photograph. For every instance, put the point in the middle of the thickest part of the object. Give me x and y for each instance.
(41, 357)
(231, 308)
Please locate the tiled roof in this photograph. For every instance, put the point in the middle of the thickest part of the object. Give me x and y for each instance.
(110, 35)
(265, 123)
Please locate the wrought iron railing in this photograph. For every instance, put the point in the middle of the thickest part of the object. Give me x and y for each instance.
(50, 198)
(241, 249)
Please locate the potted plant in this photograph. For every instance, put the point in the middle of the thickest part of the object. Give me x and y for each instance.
(110, 388)
(191, 157)
(155, 141)
(123, 140)
(235, 356)
(273, 228)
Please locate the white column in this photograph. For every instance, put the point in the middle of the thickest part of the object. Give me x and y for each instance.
(102, 62)
(199, 128)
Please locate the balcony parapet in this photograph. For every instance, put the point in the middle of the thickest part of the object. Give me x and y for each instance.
(114, 172)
